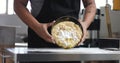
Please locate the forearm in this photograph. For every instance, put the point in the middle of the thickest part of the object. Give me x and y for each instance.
(24, 14)
(90, 10)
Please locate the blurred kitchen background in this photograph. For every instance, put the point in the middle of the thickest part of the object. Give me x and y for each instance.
(13, 29)
(8, 18)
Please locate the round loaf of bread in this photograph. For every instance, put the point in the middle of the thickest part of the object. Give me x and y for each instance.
(66, 34)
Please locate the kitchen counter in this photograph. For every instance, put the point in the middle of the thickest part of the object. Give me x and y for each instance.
(25, 54)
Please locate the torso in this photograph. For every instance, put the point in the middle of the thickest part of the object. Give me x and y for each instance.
(48, 11)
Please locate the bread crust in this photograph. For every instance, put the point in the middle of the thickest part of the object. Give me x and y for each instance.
(66, 34)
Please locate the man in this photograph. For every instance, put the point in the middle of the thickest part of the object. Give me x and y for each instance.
(43, 14)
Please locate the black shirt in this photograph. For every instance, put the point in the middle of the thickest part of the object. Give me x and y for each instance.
(50, 10)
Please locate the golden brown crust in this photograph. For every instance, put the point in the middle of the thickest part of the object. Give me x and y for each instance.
(67, 34)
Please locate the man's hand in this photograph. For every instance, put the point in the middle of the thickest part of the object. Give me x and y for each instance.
(85, 32)
(90, 10)
(40, 28)
(42, 31)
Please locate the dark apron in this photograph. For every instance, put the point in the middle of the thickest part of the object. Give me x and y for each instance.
(51, 10)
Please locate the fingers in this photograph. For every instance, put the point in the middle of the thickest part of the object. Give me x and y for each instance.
(53, 41)
(84, 37)
(49, 38)
(84, 32)
(50, 24)
(82, 40)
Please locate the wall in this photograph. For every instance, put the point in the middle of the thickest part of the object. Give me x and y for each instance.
(13, 20)
(115, 22)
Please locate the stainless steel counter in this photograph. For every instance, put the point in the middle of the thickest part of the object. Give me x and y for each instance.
(20, 54)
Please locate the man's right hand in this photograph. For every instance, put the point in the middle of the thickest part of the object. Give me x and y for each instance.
(20, 7)
(42, 31)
